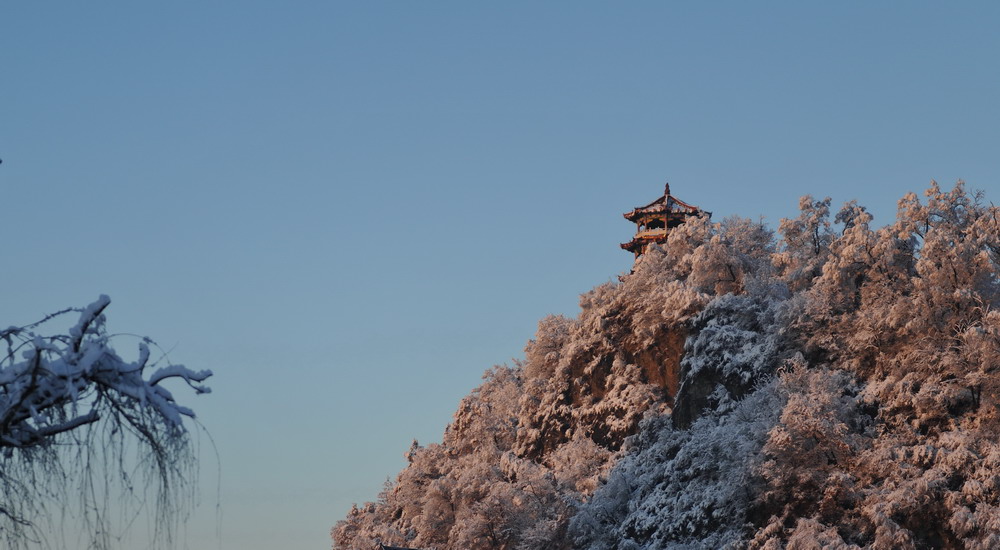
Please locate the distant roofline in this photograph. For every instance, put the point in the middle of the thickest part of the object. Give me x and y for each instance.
(661, 205)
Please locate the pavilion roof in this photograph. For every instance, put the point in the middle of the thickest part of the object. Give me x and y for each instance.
(665, 203)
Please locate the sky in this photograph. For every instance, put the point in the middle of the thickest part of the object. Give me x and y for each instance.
(350, 210)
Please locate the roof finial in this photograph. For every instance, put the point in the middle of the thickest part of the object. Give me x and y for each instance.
(666, 190)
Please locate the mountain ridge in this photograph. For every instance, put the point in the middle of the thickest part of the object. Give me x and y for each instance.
(741, 388)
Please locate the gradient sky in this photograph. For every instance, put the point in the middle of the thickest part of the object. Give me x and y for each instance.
(350, 210)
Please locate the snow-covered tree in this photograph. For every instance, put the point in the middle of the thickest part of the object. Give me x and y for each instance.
(79, 423)
(805, 241)
(837, 388)
(907, 311)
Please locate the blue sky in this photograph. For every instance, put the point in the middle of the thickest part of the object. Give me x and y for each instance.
(350, 210)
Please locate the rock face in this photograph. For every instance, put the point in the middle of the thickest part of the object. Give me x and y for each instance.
(598, 383)
(696, 397)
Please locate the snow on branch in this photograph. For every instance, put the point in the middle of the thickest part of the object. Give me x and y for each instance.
(83, 432)
(62, 382)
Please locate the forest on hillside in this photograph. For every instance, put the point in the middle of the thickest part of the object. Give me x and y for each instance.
(831, 384)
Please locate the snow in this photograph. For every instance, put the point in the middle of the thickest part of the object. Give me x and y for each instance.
(68, 401)
(836, 389)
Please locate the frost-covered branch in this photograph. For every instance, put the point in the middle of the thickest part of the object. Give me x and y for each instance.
(59, 376)
(68, 401)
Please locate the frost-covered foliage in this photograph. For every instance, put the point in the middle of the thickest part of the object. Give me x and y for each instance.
(73, 415)
(682, 488)
(907, 310)
(837, 387)
(735, 343)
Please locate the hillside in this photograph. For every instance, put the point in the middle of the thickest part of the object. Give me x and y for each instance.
(833, 383)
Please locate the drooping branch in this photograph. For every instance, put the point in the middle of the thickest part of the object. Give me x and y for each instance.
(63, 406)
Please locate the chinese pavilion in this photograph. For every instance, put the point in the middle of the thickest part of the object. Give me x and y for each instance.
(654, 220)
